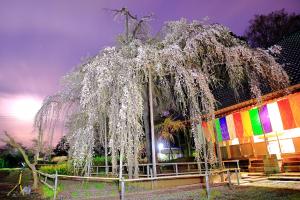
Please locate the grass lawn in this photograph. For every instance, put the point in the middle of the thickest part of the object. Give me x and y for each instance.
(95, 190)
(75, 190)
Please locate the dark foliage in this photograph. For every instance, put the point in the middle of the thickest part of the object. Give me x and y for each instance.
(266, 30)
(62, 147)
(12, 157)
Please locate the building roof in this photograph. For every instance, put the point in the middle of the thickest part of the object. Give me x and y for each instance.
(289, 57)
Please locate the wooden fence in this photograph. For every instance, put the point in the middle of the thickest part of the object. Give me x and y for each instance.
(43, 177)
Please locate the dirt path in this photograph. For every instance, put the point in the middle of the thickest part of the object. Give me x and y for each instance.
(220, 192)
(6, 187)
(9, 178)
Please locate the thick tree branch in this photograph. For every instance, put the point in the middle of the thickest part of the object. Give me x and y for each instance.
(13, 143)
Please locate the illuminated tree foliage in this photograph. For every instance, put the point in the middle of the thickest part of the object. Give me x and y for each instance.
(167, 129)
(187, 62)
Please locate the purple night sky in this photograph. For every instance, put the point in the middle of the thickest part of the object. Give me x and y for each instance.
(41, 40)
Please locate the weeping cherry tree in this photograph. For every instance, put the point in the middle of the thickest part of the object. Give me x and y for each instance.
(104, 96)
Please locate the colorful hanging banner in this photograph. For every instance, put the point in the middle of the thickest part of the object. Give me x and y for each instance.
(255, 122)
(275, 117)
(265, 119)
(224, 129)
(230, 126)
(210, 127)
(218, 129)
(248, 132)
(286, 114)
(294, 100)
(239, 129)
(205, 130)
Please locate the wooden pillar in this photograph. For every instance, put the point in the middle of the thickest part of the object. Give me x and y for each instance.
(240, 147)
(252, 145)
(228, 149)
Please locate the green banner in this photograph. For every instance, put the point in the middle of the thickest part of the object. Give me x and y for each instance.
(218, 129)
(255, 122)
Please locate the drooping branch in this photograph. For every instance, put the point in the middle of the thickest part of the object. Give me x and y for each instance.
(10, 140)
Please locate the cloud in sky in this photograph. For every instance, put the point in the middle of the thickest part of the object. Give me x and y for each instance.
(17, 114)
(40, 41)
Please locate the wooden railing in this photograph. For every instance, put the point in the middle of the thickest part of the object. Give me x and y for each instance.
(43, 177)
(121, 181)
(146, 168)
(162, 176)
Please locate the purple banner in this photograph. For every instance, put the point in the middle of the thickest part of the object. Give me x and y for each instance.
(224, 129)
(265, 119)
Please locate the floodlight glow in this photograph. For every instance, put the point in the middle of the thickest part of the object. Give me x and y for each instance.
(160, 146)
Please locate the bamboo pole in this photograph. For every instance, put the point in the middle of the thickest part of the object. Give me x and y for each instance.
(252, 145)
(152, 124)
(266, 144)
(280, 150)
(121, 157)
(206, 165)
(217, 144)
(126, 24)
(105, 148)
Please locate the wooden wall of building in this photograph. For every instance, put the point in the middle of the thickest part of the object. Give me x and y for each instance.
(250, 150)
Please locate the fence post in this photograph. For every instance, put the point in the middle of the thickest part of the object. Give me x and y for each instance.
(151, 174)
(237, 176)
(207, 185)
(148, 170)
(176, 169)
(228, 177)
(55, 185)
(97, 170)
(122, 195)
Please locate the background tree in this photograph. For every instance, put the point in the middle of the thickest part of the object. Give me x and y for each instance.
(62, 147)
(266, 30)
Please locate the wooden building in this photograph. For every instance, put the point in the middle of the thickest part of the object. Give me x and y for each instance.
(263, 136)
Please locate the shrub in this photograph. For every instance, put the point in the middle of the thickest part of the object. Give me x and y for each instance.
(62, 168)
(49, 193)
(2, 163)
(100, 160)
